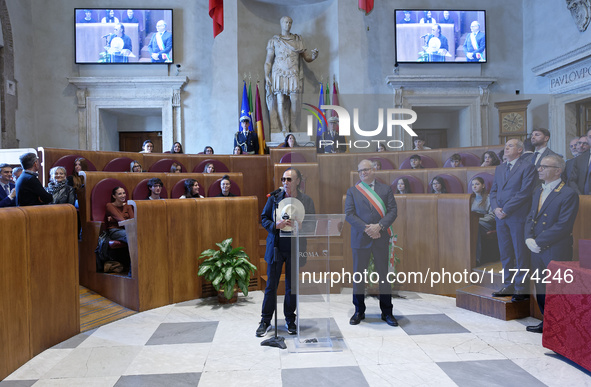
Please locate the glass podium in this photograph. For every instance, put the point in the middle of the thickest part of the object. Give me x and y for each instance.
(310, 245)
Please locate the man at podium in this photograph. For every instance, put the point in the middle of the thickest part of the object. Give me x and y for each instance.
(370, 208)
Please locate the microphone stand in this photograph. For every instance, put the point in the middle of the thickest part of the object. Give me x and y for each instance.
(275, 341)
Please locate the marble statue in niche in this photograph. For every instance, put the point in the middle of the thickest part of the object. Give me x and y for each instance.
(284, 77)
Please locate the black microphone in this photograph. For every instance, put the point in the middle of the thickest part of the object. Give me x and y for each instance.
(424, 36)
(107, 35)
(278, 190)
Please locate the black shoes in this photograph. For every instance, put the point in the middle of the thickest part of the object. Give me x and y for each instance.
(390, 320)
(519, 297)
(504, 292)
(356, 318)
(292, 328)
(263, 328)
(535, 328)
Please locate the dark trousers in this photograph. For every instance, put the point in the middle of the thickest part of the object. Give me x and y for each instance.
(379, 249)
(514, 253)
(273, 277)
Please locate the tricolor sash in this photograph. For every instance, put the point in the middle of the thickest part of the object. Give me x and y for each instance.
(375, 200)
(159, 41)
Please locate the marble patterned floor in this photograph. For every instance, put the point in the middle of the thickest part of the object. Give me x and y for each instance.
(201, 343)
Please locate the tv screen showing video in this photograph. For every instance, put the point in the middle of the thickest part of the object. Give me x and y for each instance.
(123, 36)
(450, 36)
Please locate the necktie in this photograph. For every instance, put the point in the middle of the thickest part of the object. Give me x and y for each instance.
(535, 157)
(371, 185)
(7, 189)
(507, 171)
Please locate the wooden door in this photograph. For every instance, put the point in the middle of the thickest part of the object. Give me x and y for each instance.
(133, 141)
(434, 138)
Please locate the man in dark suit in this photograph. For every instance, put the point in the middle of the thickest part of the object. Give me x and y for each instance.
(573, 145)
(161, 44)
(7, 191)
(291, 181)
(475, 44)
(370, 208)
(579, 179)
(539, 139)
(29, 191)
(510, 197)
(549, 225)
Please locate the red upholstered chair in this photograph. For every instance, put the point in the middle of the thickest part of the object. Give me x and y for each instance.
(68, 163)
(219, 166)
(120, 164)
(215, 189)
(452, 183)
(291, 157)
(179, 189)
(426, 161)
(488, 181)
(164, 165)
(386, 164)
(468, 160)
(416, 186)
(141, 191)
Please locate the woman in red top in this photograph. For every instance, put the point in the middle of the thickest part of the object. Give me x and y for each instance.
(117, 211)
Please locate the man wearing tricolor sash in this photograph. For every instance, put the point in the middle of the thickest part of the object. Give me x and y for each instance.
(475, 44)
(161, 44)
(370, 208)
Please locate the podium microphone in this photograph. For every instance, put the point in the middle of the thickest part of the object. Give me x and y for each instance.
(424, 36)
(107, 35)
(278, 190)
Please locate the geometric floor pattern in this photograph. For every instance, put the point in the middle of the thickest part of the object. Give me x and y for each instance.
(203, 343)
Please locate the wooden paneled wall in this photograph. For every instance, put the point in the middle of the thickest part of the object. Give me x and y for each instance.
(39, 294)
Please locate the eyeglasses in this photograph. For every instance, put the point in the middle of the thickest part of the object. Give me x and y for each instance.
(284, 179)
(364, 170)
(542, 167)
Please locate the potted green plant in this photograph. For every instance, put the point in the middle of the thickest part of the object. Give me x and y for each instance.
(227, 268)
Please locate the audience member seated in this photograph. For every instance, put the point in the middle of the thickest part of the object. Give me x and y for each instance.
(29, 190)
(135, 166)
(481, 206)
(419, 142)
(455, 161)
(62, 192)
(237, 150)
(290, 141)
(208, 150)
(209, 168)
(16, 172)
(7, 190)
(147, 147)
(78, 178)
(377, 165)
(427, 18)
(191, 189)
(155, 186)
(225, 186)
(381, 147)
(87, 17)
(116, 211)
(490, 159)
(403, 186)
(177, 148)
(175, 168)
(438, 185)
(110, 17)
(416, 162)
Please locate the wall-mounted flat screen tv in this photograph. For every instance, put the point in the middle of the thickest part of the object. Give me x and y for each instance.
(435, 36)
(128, 36)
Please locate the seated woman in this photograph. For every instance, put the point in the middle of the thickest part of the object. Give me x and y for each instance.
(290, 141)
(62, 192)
(191, 189)
(490, 159)
(147, 147)
(135, 166)
(225, 186)
(381, 147)
(438, 185)
(481, 205)
(116, 211)
(78, 178)
(209, 168)
(208, 150)
(377, 165)
(403, 186)
(237, 150)
(176, 148)
(176, 168)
